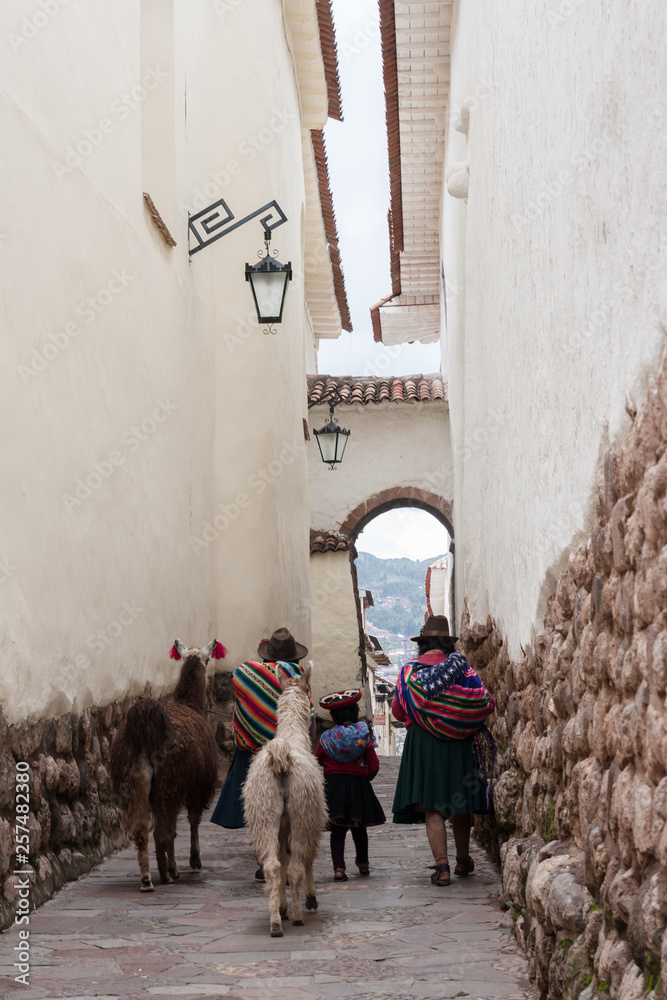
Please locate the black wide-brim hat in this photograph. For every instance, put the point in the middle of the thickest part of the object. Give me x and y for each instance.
(340, 699)
(282, 646)
(435, 627)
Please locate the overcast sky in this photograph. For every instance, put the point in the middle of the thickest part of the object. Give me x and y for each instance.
(357, 150)
(407, 532)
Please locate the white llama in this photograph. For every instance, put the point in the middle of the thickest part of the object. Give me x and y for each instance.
(284, 805)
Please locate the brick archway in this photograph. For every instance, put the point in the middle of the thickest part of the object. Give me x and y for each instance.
(398, 496)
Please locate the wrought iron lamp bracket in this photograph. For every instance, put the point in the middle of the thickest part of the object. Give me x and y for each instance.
(218, 220)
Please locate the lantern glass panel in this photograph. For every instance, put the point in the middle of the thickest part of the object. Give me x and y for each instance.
(341, 441)
(326, 439)
(268, 288)
(331, 441)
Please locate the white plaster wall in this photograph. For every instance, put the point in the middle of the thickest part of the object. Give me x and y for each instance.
(390, 444)
(168, 330)
(335, 644)
(557, 285)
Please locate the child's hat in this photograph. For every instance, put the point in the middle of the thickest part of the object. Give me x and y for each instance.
(340, 699)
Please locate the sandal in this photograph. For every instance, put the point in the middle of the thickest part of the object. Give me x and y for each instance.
(364, 868)
(436, 877)
(340, 875)
(464, 866)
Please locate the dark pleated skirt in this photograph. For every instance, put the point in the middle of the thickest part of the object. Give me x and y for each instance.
(438, 775)
(229, 809)
(352, 801)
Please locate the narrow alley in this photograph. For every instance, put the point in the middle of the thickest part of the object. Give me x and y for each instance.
(390, 936)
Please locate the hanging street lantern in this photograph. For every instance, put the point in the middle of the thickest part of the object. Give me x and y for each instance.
(268, 281)
(331, 439)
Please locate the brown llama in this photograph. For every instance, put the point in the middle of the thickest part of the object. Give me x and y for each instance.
(164, 758)
(284, 805)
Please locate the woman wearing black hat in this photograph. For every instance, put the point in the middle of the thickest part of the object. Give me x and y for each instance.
(256, 689)
(448, 753)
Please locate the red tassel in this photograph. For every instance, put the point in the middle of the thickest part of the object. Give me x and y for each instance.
(219, 651)
(174, 653)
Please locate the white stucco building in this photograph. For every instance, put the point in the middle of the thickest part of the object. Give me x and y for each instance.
(528, 211)
(397, 455)
(155, 472)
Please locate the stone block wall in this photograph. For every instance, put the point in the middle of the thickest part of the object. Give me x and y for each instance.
(581, 802)
(74, 819)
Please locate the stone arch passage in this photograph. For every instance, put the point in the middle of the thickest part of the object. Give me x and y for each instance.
(398, 496)
(380, 503)
(399, 455)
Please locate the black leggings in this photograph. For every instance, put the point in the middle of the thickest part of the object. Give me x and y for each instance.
(360, 838)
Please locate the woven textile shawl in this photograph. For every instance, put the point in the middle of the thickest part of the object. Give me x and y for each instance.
(257, 690)
(346, 743)
(453, 714)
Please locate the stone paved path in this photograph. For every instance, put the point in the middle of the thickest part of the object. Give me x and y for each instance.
(392, 936)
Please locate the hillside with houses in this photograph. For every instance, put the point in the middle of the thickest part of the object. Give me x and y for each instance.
(399, 603)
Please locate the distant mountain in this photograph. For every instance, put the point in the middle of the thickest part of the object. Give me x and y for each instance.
(397, 586)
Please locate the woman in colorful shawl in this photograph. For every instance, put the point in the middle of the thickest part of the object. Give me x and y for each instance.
(256, 689)
(347, 754)
(447, 753)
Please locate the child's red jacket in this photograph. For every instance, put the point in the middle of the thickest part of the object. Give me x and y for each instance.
(366, 766)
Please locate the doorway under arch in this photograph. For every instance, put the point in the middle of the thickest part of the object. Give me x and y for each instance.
(402, 563)
(398, 496)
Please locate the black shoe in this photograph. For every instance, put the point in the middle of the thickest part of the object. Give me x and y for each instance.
(259, 875)
(464, 867)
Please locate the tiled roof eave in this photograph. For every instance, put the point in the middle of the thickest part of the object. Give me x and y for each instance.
(330, 57)
(431, 388)
(415, 59)
(329, 541)
(330, 228)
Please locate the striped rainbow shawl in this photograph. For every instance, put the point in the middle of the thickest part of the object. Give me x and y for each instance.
(455, 713)
(257, 690)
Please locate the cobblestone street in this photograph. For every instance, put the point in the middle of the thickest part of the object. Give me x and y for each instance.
(389, 936)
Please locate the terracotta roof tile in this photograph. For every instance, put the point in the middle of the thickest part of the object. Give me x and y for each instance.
(375, 317)
(411, 389)
(329, 57)
(330, 228)
(329, 541)
(390, 72)
(408, 389)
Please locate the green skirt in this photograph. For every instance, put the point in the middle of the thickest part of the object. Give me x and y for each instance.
(438, 775)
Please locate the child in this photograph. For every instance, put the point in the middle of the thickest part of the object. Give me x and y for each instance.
(350, 763)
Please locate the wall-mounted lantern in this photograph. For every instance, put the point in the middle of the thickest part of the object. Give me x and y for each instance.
(268, 281)
(331, 439)
(269, 278)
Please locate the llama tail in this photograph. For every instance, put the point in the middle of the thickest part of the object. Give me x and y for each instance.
(148, 729)
(280, 758)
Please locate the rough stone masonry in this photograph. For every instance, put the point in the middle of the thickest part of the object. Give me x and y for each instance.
(581, 801)
(74, 819)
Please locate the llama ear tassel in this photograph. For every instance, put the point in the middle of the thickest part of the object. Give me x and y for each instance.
(174, 653)
(219, 651)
